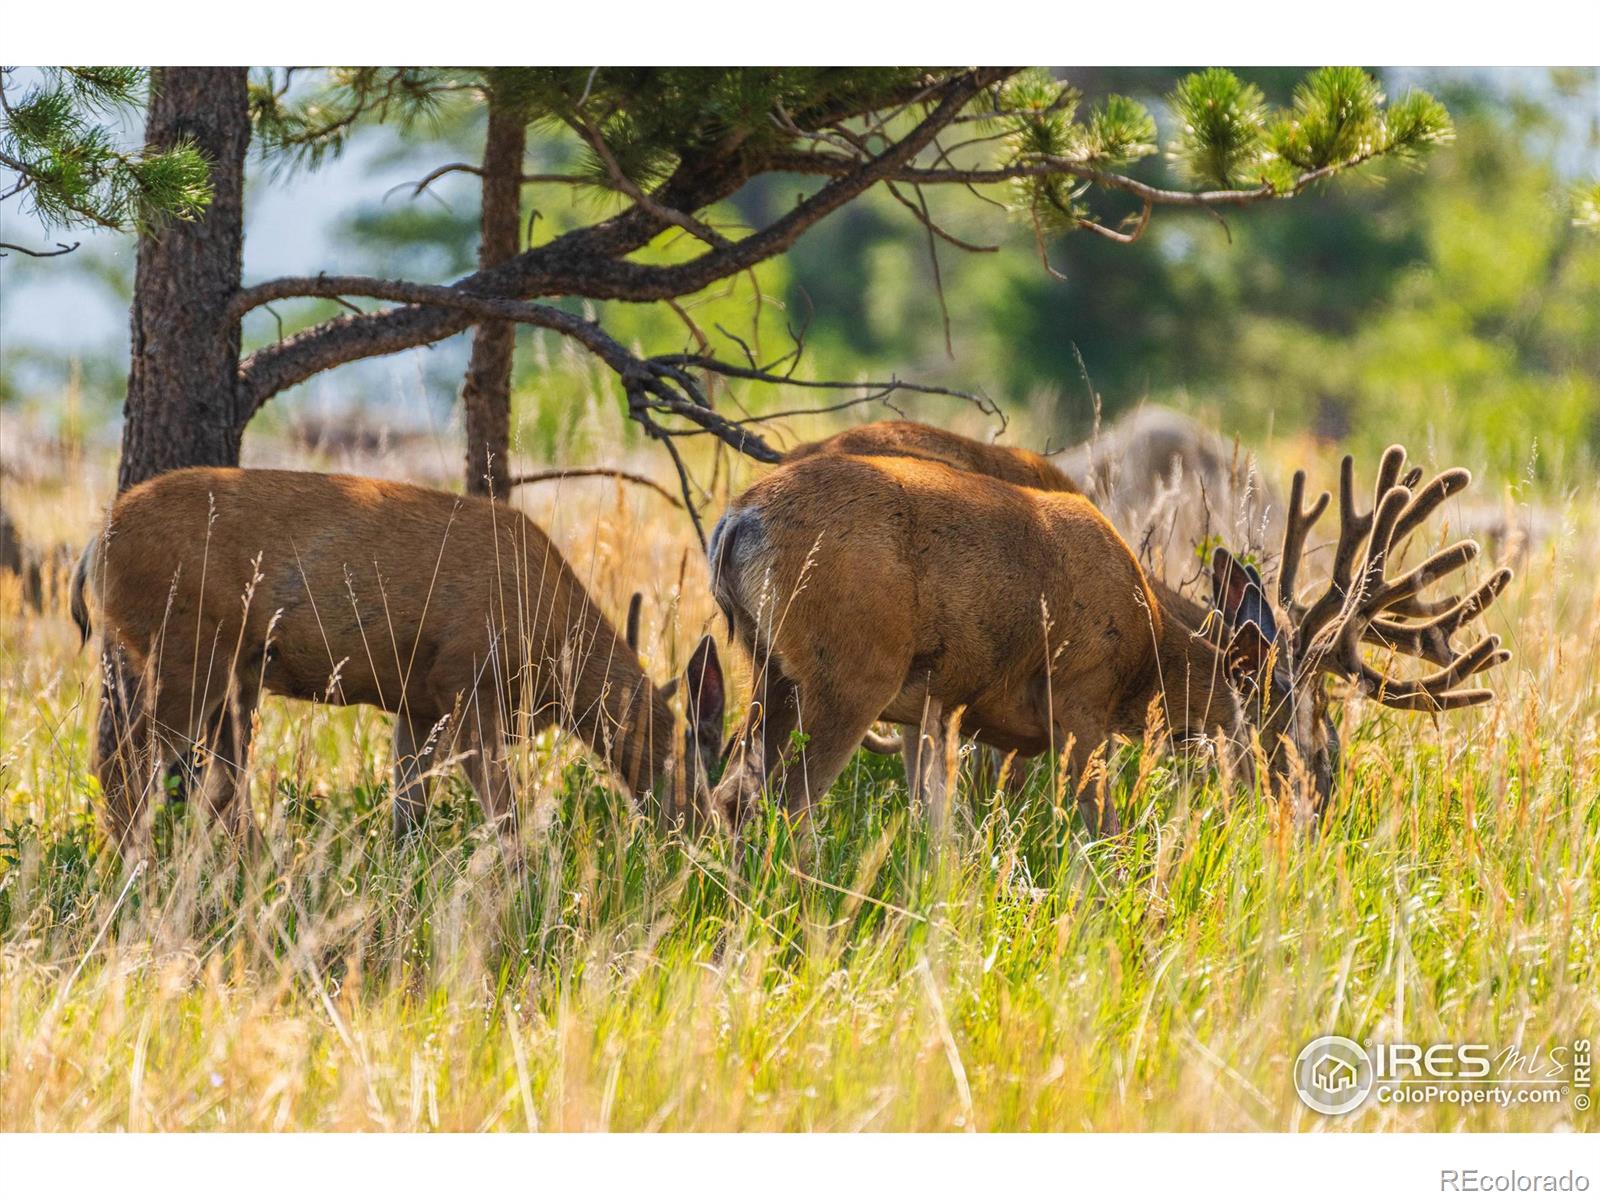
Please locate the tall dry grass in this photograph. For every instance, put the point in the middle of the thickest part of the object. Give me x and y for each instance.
(1015, 978)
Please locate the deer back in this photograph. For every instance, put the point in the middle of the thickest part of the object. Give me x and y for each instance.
(911, 439)
(383, 584)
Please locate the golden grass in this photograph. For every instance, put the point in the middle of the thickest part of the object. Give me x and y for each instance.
(1016, 979)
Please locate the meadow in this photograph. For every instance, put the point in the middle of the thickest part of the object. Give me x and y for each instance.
(1015, 976)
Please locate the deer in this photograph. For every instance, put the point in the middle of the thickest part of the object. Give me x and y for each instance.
(456, 614)
(913, 439)
(868, 587)
(1169, 484)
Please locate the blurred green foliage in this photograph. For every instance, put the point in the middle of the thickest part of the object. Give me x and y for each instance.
(1461, 304)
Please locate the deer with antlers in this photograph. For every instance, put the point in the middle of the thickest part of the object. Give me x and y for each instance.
(455, 613)
(873, 586)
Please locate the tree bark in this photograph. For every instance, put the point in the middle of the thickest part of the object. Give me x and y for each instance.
(182, 408)
(486, 397)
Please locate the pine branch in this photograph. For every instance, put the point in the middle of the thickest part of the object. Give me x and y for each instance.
(1338, 124)
(589, 262)
(69, 172)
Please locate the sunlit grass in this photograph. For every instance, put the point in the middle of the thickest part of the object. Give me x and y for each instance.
(860, 977)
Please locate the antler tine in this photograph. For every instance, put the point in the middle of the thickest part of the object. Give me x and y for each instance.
(1342, 639)
(1441, 488)
(1433, 692)
(1360, 608)
(1447, 561)
(1389, 469)
(1353, 530)
(1386, 517)
(1431, 640)
(1298, 525)
(1443, 702)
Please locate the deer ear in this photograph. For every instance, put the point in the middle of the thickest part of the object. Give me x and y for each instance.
(1229, 579)
(1248, 651)
(632, 635)
(707, 693)
(1238, 593)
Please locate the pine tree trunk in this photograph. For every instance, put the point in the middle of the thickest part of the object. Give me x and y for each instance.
(181, 409)
(486, 396)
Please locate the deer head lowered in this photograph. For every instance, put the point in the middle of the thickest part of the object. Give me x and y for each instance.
(867, 586)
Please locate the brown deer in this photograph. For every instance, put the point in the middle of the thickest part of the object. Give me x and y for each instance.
(1169, 484)
(905, 589)
(455, 613)
(912, 439)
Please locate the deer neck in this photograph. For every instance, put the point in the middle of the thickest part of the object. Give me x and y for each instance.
(620, 713)
(1200, 700)
(647, 734)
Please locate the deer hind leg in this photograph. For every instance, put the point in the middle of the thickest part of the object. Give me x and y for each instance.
(763, 736)
(926, 749)
(224, 774)
(124, 760)
(415, 748)
(833, 719)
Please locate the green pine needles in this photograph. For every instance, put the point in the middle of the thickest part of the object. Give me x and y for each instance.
(631, 128)
(59, 151)
(1227, 137)
(1338, 119)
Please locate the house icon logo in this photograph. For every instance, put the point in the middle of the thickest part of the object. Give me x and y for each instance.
(1333, 1075)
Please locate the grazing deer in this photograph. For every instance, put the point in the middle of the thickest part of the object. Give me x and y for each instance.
(1155, 472)
(454, 613)
(1170, 484)
(912, 439)
(904, 589)
(1167, 482)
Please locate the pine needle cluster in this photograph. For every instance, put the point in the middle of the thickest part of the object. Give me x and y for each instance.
(59, 151)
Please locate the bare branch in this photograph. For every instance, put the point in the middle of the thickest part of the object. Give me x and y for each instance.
(1116, 235)
(879, 388)
(593, 472)
(61, 248)
(919, 211)
(472, 169)
(658, 383)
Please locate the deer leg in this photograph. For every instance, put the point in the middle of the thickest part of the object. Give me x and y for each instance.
(1087, 732)
(483, 734)
(413, 757)
(927, 757)
(832, 722)
(224, 784)
(122, 760)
